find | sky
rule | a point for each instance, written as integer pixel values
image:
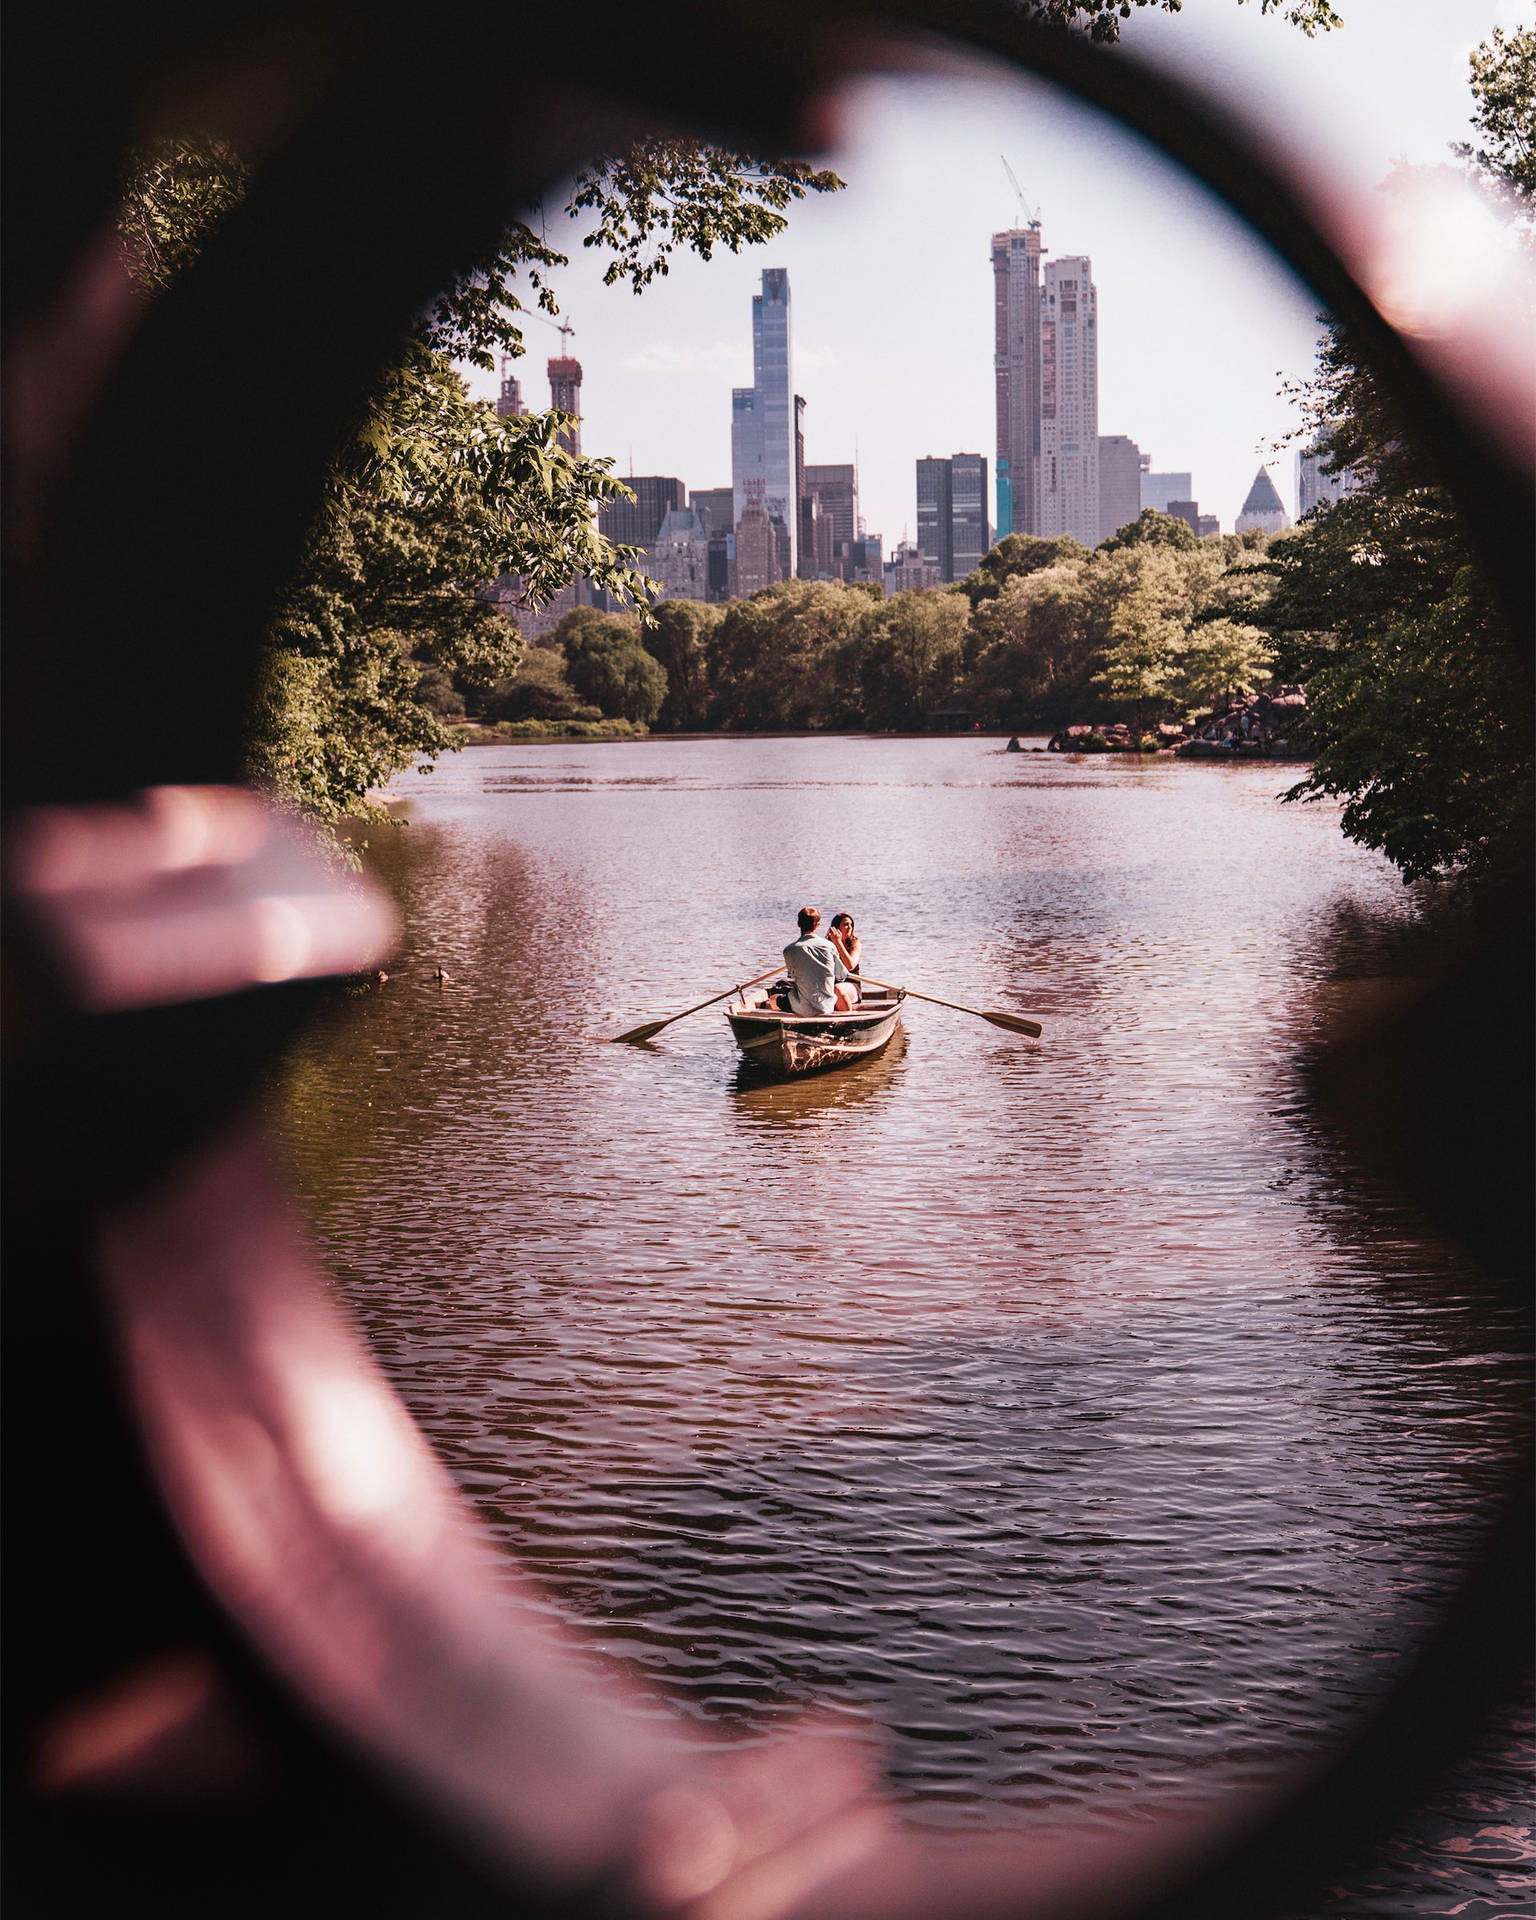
(890, 279)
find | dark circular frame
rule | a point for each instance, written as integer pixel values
(174, 468)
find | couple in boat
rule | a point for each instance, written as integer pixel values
(824, 968)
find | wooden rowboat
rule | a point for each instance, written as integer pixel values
(795, 1043)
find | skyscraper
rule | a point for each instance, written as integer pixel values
(1119, 483)
(837, 488)
(969, 524)
(952, 512)
(1069, 401)
(1016, 360)
(934, 513)
(565, 393)
(1315, 486)
(763, 420)
(634, 522)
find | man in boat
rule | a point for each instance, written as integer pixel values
(822, 983)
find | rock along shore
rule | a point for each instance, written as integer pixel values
(1242, 726)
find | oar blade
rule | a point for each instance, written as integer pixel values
(1015, 1023)
(636, 1035)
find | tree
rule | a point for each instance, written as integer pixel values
(1015, 556)
(1032, 646)
(1219, 656)
(539, 690)
(1420, 706)
(606, 664)
(913, 657)
(790, 657)
(1141, 663)
(1151, 529)
(1504, 114)
(681, 635)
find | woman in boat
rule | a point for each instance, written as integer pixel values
(849, 946)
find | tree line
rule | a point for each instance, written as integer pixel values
(1150, 625)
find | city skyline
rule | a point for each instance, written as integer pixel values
(894, 341)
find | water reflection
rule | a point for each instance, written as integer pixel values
(764, 1103)
(1045, 1400)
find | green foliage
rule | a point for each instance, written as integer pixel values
(1147, 630)
(608, 667)
(790, 656)
(666, 192)
(1421, 708)
(1504, 112)
(1146, 625)
(174, 195)
(1151, 529)
(913, 655)
(1141, 661)
(538, 690)
(681, 635)
(504, 732)
(1219, 656)
(1014, 556)
(1423, 722)
(1033, 645)
(1100, 19)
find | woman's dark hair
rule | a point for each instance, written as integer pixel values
(841, 919)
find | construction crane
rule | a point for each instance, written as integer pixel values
(562, 327)
(1030, 213)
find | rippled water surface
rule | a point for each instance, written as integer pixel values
(1060, 1404)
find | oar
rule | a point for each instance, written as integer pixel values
(653, 1027)
(1014, 1022)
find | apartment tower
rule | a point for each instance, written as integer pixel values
(1069, 401)
(1016, 327)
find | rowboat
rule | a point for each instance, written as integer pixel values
(794, 1043)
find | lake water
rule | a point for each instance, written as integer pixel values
(1060, 1405)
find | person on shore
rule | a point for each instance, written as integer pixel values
(849, 946)
(821, 982)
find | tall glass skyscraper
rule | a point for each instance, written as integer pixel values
(952, 512)
(763, 417)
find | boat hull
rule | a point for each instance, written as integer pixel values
(788, 1045)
